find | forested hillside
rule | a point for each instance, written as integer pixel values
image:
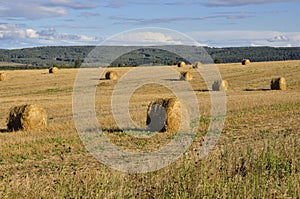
(256, 54)
(72, 56)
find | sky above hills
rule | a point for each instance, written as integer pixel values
(215, 23)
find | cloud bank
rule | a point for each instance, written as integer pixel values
(237, 38)
(15, 36)
(149, 37)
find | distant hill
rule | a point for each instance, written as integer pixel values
(255, 54)
(67, 56)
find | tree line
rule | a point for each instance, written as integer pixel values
(73, 56)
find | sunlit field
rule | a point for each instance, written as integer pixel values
(257, 154)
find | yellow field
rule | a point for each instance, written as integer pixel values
(257, 154)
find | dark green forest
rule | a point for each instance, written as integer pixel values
(73, 56)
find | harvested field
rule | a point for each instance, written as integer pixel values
(257, 154)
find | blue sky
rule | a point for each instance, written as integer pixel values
(216, 23)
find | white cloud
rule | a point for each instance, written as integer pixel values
(142, 38)
(279, 38)
(32, 34)
(12, 35)
(247, 38)
(10, 31)
(52, 37)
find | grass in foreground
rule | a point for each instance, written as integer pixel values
(268, 169)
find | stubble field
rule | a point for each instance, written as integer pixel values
(257, 154)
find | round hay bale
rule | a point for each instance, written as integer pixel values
(197, 65)
(278, 83)
(220, 85)
(27, 117)
(245, 61)
(53, 69)
(3, 76)
(111, 75)
(181, 64)
(164, 115)
(187, 76)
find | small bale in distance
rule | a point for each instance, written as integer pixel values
(181, 64)
(278, 83)
(3, 76)
(197, 65)
(220, 85)
(27, 117)
(245, 62)
(164, 115)
(187, 76)
(53, 69)
(111, 75)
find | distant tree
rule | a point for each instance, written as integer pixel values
(217, 61)
(157, 61)
(172, 62)
(77, 63)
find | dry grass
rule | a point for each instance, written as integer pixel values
(257, 154)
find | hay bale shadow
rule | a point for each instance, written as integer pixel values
(118, 130)
(104, 80)
(173, 80)
(113, 130)
(133, 132)
(203, 90)
(257, 89)
(4, 131)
